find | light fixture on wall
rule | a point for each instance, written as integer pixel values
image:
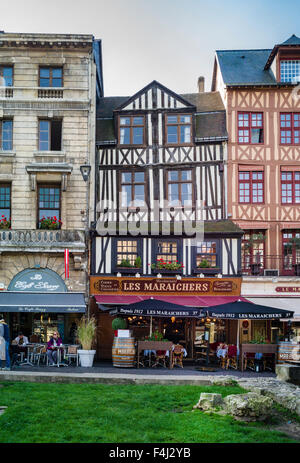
(85, 170)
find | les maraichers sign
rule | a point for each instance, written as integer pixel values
(102, 285)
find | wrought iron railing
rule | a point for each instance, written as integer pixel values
(262, 265)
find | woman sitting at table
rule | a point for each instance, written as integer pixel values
(55, 341)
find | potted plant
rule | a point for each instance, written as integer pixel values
(86, 333)
(166, 267)
(118, 324)
(206, 268)
(50, 223)
(125, 266)
(4, 223)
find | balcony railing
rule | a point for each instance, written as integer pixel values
(13, 240)
(50, 93)
(260, 265)
(6, 92)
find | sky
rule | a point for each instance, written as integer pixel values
(171, 41)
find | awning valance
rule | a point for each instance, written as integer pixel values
(286, 303)
(15, 301)
(242, 310)
(157, 308)
(188, 301)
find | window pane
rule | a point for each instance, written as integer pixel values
(7, 127)
(172, 136)
(138, 121)
(139, 194)
(256, 136)
(125, 136)
(172, 119)
(126, 195)
(124, 121)
(56, 72)
(173, 175)
(126, 177)
(186, 175)
(137, 135)
(174, 193)
(185, 134)
(139, 177)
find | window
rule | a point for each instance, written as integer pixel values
(6, 135)
(251, 187)
(50, 135)
(167, 251)
(290, 187)
(128, 253)
(5, 202)
(180, 187)
(290, 250)
(6, 76)
(290, 70)
(206, 254)
(51, 77)
(250, 128)
(132, 189)
(48, 202)
(178, 129)
(132, 130)
(289, 128)
(253, 251)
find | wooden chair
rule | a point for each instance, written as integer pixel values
(177, 355)
(72, 353)
(160, 359)
(249, 361)
(231, 360)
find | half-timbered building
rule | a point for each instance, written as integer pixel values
(259, 89)
(161, 210)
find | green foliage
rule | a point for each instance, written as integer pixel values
(106, 413)
(127, 264)
(204, 264)
(4, 223)
(86, 332)
(161, 264)
(138, 262)
(155, 336)
(119, 324)
(50, 223)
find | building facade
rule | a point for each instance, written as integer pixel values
(48, 89)
(259, 89)
(161, 160)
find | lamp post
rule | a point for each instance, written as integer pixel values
(85, 172)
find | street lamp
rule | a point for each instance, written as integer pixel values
(85, 170)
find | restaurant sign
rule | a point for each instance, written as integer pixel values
(37, 280)
(287, 289)
(166, 286)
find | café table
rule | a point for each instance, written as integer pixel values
(59, 363)
(29, 348)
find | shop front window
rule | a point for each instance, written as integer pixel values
(290, 251)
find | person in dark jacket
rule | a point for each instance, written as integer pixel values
(6, 338)
(55, 341)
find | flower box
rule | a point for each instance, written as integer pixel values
(207, 270)
(132, 270)
(166, 271)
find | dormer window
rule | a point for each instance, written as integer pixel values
(290, 70)
(132, 130)
(178, 129)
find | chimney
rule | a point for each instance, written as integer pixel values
(201, 84)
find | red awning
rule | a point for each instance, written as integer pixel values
(188, 301)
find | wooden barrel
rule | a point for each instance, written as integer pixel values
(288, 352)
(123, 352)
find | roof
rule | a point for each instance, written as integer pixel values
(211, 125)
(210, 116)
(245, 67)
(293, 41)
(206, 101)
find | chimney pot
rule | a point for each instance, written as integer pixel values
(201, 82)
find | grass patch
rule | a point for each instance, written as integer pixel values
(57, 413)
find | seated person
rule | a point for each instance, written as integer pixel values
(21, 340)
(18, 346)
(55, 340)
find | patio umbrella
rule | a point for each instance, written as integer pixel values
(241, 310)
(157, 308)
